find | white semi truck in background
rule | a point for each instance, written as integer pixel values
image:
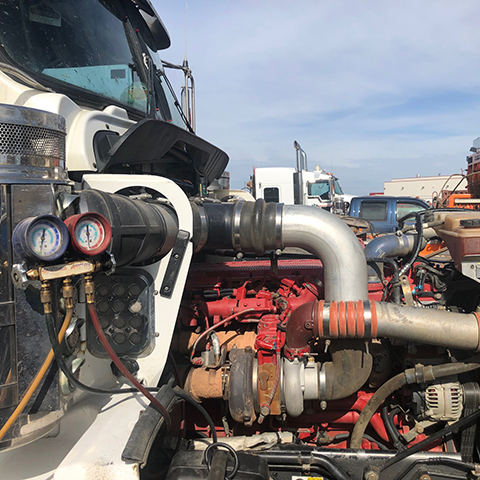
(300, 186)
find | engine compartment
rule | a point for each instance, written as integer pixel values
(272, 360)
(268, 339)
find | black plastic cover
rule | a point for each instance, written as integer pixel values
(162, 148)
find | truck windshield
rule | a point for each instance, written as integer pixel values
(79, 43)
(337, 187)
(320, 189)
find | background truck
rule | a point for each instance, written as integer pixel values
(384, 211)
(300, 186)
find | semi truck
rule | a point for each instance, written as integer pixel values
(300, 186)
(148, 331)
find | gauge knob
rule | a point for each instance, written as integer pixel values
(91, 232)
(43, 238)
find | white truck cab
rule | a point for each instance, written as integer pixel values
(300, 186)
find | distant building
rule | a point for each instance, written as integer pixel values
(426, 188)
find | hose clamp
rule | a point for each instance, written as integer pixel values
(367, 315)
(278, 226)
(237, 215)
(203, 228)
(322, 383)
(419, 373)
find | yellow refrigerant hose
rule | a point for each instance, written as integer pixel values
(38, 378)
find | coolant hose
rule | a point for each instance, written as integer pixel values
(419, 374)
(388, 246)
(418, 244)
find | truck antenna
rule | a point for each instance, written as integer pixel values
(186, 28)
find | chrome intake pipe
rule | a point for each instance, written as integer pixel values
(331, 240)
(259, 226)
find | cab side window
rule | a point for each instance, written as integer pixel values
(403, 208)
(373, 211)
(271, 194)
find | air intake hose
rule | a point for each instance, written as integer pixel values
(141, 232)
(259, 226)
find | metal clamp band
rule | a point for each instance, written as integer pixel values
(326, 320)
(203, 228)
(322, 384)
(278, 226)
(367, 315)
(237, 215)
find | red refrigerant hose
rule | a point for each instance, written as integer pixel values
(123, 369)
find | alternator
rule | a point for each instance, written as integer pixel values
(444, 401)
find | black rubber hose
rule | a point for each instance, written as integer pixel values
(393, 433)
(344, 436)
(185, 396)
(453, 428)
(389, 426)
(68, 373)
(395, 281)
(447, 462)
(217, 226)
(398, 381)
(218, 466)
(370, 408)
(418, 245)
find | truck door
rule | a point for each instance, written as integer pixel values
(320, 194)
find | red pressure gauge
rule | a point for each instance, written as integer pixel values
(90, 232)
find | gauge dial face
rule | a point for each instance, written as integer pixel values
(91, 232)
(45, 239)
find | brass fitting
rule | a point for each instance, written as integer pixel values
(46, 297)
(33, 274)
(67, 292)
(89, 289)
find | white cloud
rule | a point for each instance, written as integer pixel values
(346, 78)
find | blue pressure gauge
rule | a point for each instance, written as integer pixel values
(42, 238)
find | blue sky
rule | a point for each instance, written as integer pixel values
(371, 89)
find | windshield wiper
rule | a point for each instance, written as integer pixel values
(143, 65)
(23, 77)
(169, 85)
